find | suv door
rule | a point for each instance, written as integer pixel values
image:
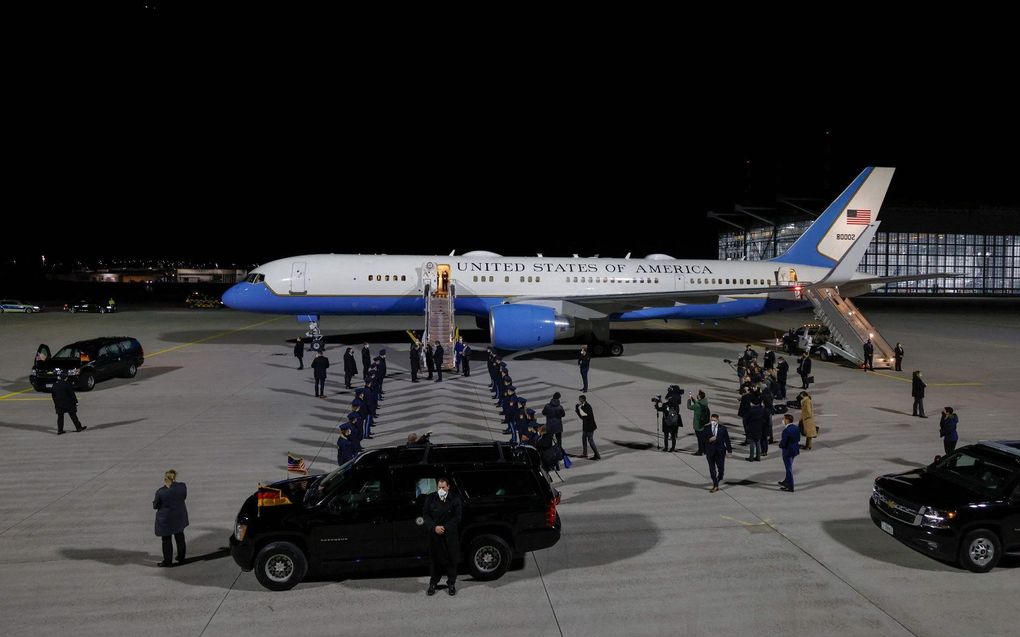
(1011, 522)
(356, 520)
(108, 362)
(411, 486)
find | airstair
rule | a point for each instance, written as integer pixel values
(440, 323)
(848, 328)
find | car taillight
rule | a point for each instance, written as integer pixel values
(550, 515)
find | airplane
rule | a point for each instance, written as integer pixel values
(530, 302)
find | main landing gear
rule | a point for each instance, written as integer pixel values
(612, 348)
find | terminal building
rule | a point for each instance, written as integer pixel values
(980, 246)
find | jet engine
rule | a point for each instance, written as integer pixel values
(516, 327)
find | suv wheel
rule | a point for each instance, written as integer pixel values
(823, 354)
(980, 551)
(131, 371)
(488, 557)
(280, 566)
(87, 382)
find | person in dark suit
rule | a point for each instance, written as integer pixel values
(583, 363)
(947, 429)
(319, 365)
(350, 367)
(299, 352)
(366, 359)
(465, 360)
(782, 369)
(415, 361)
(588, 427)
(917, 391)
(869, 355)
(769, 360)
(65, 401)
(438, 357)
(789, 442)
(804, 369)
(430, 360)
(171, 516)
(717, 445)
(899, 357)
(442, 515)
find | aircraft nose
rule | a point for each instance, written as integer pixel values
(232, 297)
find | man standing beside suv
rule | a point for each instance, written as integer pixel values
(65, 402)
(442, 517)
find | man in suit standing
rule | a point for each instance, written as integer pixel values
(782, 369)
(430, 360)
(899, 357)
(869, 356)
(442, 515)
(171, 516)
(319, 365)
(65, 401)
(769, 360)
(438, 357)
(790, 444)
(584, 362)
(588, 427)
(917, 391)
(350, 367)
(717, 445)
(804, 369)
(299, 352)
(947, 430)
(366, 359)
(415, 362)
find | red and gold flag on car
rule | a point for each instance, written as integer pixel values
(270, 497)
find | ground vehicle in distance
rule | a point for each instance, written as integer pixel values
(87, 362)
(367, 514)
(197, 300)
(90, 306)
(10, 305)
(963, 508)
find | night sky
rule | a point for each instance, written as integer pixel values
(218, 155)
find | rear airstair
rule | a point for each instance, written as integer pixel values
(848, 328)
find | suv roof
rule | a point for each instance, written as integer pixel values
(502, 453)
(1012, 447)
(99, 342)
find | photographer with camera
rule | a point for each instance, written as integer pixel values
(671, 421)
(699, 405)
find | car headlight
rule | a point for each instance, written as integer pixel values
(73, 372)
(935, 519)
(240, 530)
(32, 373)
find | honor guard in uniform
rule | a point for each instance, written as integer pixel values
(465, 361)
(458, 353)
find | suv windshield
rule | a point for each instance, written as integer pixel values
(68, 353)
(328, 482)
(976, 472)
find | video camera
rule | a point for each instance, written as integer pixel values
(672, 392)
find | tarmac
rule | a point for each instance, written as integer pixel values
(645, 550)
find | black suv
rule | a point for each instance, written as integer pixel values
(367, 514)
(87, 362)
(962, 508)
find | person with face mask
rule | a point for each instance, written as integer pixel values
(442, 517)
(717, 445)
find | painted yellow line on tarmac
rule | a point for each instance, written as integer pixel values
(14, 393)
(209, 338)
(162, 351)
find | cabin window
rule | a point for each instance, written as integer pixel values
(522, 279)
(369, 277)
(538, 279)
(727, 281)
(575, 279)
(387, 277)
(491, 279)
(568, 279)
(475, 279)
(768, 281)
(656, 279)
(506, 279)
(378, 277)
(530, 280)
(403, 277)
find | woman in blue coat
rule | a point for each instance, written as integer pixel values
(171, 516)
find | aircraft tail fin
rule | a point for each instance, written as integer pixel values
(831, 236)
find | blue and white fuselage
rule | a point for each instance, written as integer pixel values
(530, 301)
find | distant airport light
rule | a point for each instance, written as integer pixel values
(871, 336)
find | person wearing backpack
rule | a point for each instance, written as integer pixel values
(671, 422)
(554, 414)
(702, 415)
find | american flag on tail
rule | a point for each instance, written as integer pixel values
(858, 217)
(296, 464)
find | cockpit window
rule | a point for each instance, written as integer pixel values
(255, 277)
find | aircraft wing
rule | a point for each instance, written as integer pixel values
(862, 286)
(610, 303)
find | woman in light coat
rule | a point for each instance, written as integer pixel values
(807, 419)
